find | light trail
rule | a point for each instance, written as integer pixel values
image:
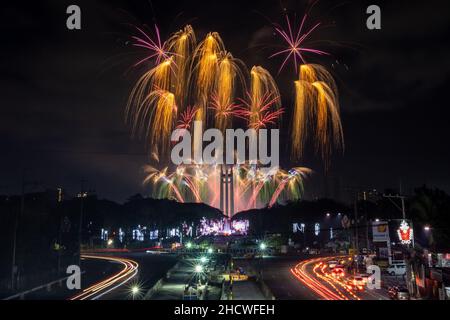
(96, 291)
(330, 280)
(322, 267)
(313, 273)
(301, 273)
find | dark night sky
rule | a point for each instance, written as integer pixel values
(63, 92)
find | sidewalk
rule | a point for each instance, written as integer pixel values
(172, 287)
(247, 290)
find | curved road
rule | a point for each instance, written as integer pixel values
(315, 275)
(96, 291)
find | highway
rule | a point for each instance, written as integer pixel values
(111, 277)
(315, 275)
(127, 273)
(306, 278)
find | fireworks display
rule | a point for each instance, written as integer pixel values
(295, 43)
(156, 48)
(316, 108)
(253, 187)
(202, 81)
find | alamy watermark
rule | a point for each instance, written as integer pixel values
(374, 279)
(229, 149)
(74, 279)
(73, 21)
(373, 22)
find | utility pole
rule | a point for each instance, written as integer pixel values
(80, 225)
(366, 221)
(354, 193)
(409, 281)
(14, 267)
(59, 211)
(402, 199)
(402, 209)
(16, 227)
(356, 231)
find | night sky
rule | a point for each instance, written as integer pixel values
(63, 93)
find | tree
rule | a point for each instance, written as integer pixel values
(432, 207)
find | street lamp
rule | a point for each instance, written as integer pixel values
(198, 268)
(203, 259)
(377, 220)
(263, 247)
(199, 274)
(328, 215)
(189, 245)
(135, 290)
(427, 228)
(210, 250)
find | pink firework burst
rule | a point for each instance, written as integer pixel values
(223, 110)
(258, 111)
(156, 47)
(295, 42)
(186, 118)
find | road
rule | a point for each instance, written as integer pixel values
(276, 274)
(109, 276)
(304, 278)
(315, 275)
(128, 271)
(141, 270)
(93, 271)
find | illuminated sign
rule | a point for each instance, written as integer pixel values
(317, 229)
(380, 231)
(298, 227)
(405, 233)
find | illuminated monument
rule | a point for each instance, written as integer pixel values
(227, 190)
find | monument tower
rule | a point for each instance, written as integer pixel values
(227, 190)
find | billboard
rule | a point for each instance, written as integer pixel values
(380, 231)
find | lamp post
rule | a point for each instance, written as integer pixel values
(429, 235)
(262, 248)
(135, 290)
(82, 195)
(198, 269)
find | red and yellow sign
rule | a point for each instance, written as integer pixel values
(405, 233)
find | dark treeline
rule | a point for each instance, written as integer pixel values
(48, 230)
(279, 218)
(426, 207)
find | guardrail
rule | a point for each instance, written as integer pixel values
(267, 293)
(21, 295)
(153, 289)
